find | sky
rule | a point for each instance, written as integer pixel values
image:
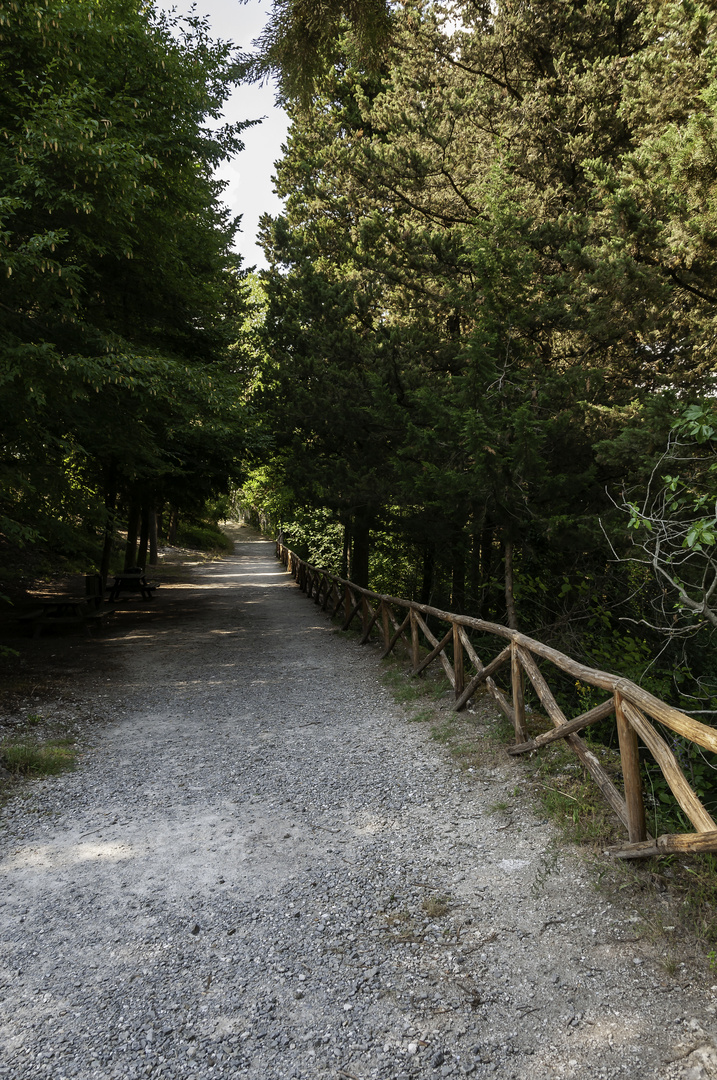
(250, 188)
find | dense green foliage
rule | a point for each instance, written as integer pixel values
(120, 292)
(302, 36)
(491, 296)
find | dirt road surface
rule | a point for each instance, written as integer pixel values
(260, 869)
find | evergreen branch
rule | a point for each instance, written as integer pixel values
(692, 289)
(482, 73)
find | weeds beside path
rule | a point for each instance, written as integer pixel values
(260, 869)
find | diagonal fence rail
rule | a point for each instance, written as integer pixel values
(395, 620)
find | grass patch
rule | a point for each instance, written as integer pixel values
(436, 906)
(500, 731)
(567, 793)
(471, 738)
(669, 891)
(473, 741)
(425, 693)
(700, 901)
(423, 716)
(676, 899)
(438, 687)
(404, 689)
(443, 731)
(28, 758)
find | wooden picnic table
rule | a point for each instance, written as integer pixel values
(132, 581)
(65, 611)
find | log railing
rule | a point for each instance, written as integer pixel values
(395, 620)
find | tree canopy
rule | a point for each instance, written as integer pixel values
(302, 37)
(121, 293)
(491, 296)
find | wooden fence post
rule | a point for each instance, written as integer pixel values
(458, 660)
(516, 678)
(415, 650)
(386, 625)
(629, 756)
(365, 616)
(348, 603)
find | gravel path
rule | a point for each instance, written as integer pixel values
(260, 869)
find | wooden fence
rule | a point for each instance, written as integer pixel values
(394, 620)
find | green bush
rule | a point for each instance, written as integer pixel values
(206, 536)
(317, 536)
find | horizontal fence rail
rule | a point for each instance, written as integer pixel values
(394, 619)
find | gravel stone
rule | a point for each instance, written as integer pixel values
(232, 883)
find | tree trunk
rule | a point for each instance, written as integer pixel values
(509, 597)
(153, 535)
(486, 570)
(130, 551)
(359, 555)
(458, 582)
(109, 534)
(173, 525)
(429, 565)
(143, 538)
(475, 583)
(346, 553)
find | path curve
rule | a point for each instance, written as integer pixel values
(246, 875)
